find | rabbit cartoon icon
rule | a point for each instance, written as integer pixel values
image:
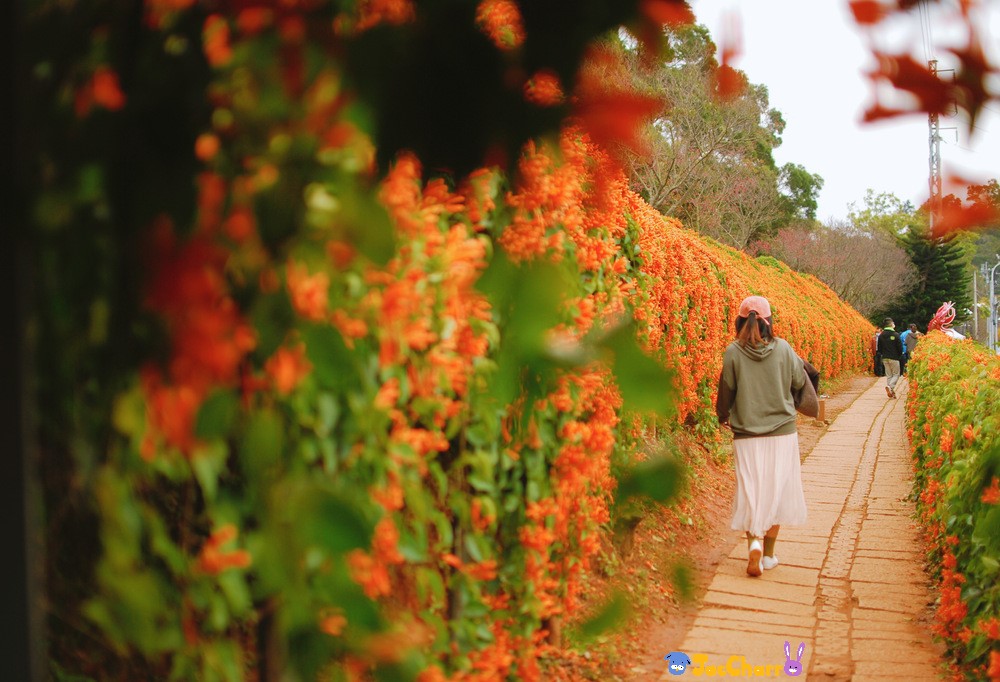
(794, 668)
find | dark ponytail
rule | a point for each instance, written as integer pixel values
(752, 331)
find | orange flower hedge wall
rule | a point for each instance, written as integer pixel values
(369, 426)
(953, 427)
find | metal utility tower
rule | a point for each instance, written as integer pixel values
(934, 139)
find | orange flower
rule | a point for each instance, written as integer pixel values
(287, 368)
(374, 12)
(215, 40)
(370, 575)
(432, 674)
(159, 11)
(544, 89)
(480, 521)
(385, 542)
(349, 327)
(990, 628)
(332, 621)
(102, 89)
(171, 411)
(340, 253)
(391, 497)
(292, 29)
(206, 146)
(309, 293)
(105, 88)
(483, 570)
(994, 671)
(946, 442)
(253, 20)
(211, 196)
(991, 495)
(213, 559)
(969, 433)
(388, 394)
(501, 21)
(371, 571)
(240, 225)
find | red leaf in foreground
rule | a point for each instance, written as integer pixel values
(610, 112)
(877, 112)
(867, 12)
(971, 78)
(903, 72)
(730, 83)
(958, 216)
(670, 12)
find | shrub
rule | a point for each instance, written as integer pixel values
(953, 431)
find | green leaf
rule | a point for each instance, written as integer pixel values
(528, 300)
(613, 613)
(90, 187)
(208, 463)
(234, 587)
(327, 413)
(328, 519)
(333, 363)
(683, 580)
(988, 529)
(272, 316)
(644, 384)
(263, 442)
(658, 479)
(473, 546)
(368, 225)
(129, 413)
(216, 416)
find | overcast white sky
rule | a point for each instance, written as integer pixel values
(812, 57)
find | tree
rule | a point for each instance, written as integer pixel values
(861, 268)
(883, 212)
(800, 191)
(942, 274)
(984, 198)
(711, 162)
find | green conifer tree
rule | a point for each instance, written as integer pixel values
(942, 275)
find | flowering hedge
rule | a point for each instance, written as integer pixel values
(340, 422)
(953, 431)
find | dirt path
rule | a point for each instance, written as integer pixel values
(850, 585)
(705, 547)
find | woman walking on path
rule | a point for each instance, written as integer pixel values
(760, 374)
(891, 350)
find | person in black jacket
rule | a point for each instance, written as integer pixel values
(890, 347)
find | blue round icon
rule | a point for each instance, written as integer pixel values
(678, 662)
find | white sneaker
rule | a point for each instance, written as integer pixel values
(754, 567)
(769, 562)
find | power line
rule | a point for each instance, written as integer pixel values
(955, 144)
(926, 33)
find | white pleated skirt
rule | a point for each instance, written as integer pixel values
(768, 484)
